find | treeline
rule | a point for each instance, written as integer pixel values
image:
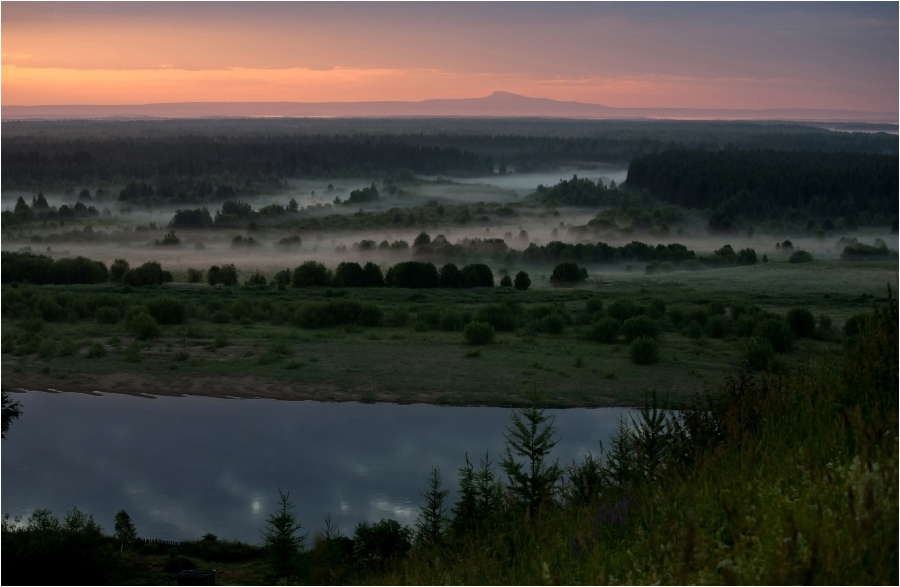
(194, 167)
(235, 152)
(761, 185)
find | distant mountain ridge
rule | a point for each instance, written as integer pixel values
(498, 104)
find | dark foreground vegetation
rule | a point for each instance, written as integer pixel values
(771, 479)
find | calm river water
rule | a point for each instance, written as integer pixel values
(184, 466)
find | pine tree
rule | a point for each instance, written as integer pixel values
(431, 523)
(283, 540)
(530, 436)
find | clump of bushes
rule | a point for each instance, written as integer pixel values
(645, 351)
(226, 275)
(605, 330)
(478, 333)
(498, 316)
(802, 323)
(142, 325)
(776, 332)
(167, 310)
(522, 282)
(640, 326)
(568, 273)
(800, 257)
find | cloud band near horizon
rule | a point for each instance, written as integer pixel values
(678, 56)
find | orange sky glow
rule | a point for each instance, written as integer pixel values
(623, 55)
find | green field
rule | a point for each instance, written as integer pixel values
(257, 352)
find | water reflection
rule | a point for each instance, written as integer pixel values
(185, 466)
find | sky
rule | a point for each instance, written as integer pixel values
(637, 55)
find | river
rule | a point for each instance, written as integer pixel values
(184, 466)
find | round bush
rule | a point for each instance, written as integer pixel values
(522, 281)
(605, 330)
(800, 257)
(640, 326)
(506, 281)
(622, 309)
(776, 332)
(758, 352)
(96, 351)
(645, 351)
(568, 273)
(143, 326)
(801, 322)
(478, 333)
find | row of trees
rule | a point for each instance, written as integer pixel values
(760, 185)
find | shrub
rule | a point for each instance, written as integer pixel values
(167, 310)
(645, 351)
(800, 257)
(228, 275)
(622, 309)
(118, 269)
(349, 274)
(691, 265)
(497, 315)
(96, 351)
(605, 330)
(257, 279)
(413, 274)
(283, 278)
(477, 275)
(551, 324)
(133, 352)
(372, 276)
(522, 282)
(776, 332)
(506, 281)
(856, 324)
(478, 333)
(758, 352)
(568, 273)
(640, 326)
(143, 326)
(802, 322)
(221, 317)
(451, 276)
(150, 273)
(194, 275)
(311, 274)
